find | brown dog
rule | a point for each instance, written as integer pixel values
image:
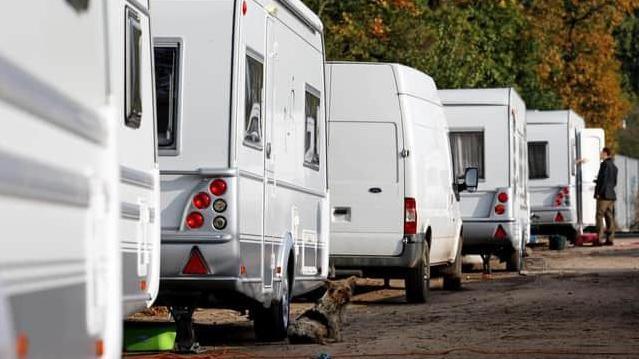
(324, 320)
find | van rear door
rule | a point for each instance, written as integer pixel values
(591, 142)
(367, 188)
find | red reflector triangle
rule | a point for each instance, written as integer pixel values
(559, 217)
(196, 264)
(500, 233)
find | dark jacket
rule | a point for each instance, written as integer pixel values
(606, 180)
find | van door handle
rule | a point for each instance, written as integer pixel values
(268, 150)
(375, 190)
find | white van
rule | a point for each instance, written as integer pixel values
(60, 282)
(563, 158)
(243, 157)
(393, 196)
(488, 131)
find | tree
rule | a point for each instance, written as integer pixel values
(378, 30)
(578, 57)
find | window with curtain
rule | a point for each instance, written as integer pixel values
(537, 160)
(467, 148)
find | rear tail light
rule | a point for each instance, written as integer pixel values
(562, 198)
(219, 205)
(502, 197)
(500, 209)
(218, 187)
(219, 222)
(410, 216)
(201, 200)
(194, 220)
(196, 264)
(559, 217)
(500, 233)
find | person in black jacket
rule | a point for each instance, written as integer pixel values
(606, 197)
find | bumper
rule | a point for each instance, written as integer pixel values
(546, 216)
(382, 266)
(222, 287)
(479, 237)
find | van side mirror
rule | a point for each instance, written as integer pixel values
(470, 180)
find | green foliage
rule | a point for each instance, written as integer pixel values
(557, 53)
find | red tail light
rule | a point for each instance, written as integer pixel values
(500, 233)
(502, 197)
(410, 216)
(566, 190)
(500, 209)
(194, 220)
(559, 217)
(201, 200)
(196, 264)
(218, 187)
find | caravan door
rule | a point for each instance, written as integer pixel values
(591, 142)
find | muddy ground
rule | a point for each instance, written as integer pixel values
(576, 303)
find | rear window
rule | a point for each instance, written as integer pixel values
(537, 160)
(467, 149)
(167, 65)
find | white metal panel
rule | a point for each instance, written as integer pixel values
(356, 171)
(494, 97)
(429, 174)
(591, 143)
(206, 78)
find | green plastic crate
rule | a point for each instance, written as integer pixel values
(148, 337)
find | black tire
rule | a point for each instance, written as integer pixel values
(453, 274)
(513, 263)
(270, 324)
(418, 278)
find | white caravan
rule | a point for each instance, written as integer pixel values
(563, 158)
(488, 131)
(395, 211)
(243, 157)
(627, 190)
(132, 86)
(60, 294)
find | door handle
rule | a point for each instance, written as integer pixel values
(268, 150)
(375, 190)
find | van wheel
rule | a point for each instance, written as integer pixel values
(418, 278)
(453, 274)
(513, 263)
(270, 324)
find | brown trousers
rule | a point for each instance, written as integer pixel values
(605, 210)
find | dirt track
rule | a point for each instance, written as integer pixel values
(576, 303)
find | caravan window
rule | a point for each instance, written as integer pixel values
(537, 160)
(467, 148)
(253, 102)
(167, 65)
(311, 133)
(133, 85)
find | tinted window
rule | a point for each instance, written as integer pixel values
(133, 90)
(253, 102)
(468, 151)
(311, 133)
(167, 65)
(537, 160)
